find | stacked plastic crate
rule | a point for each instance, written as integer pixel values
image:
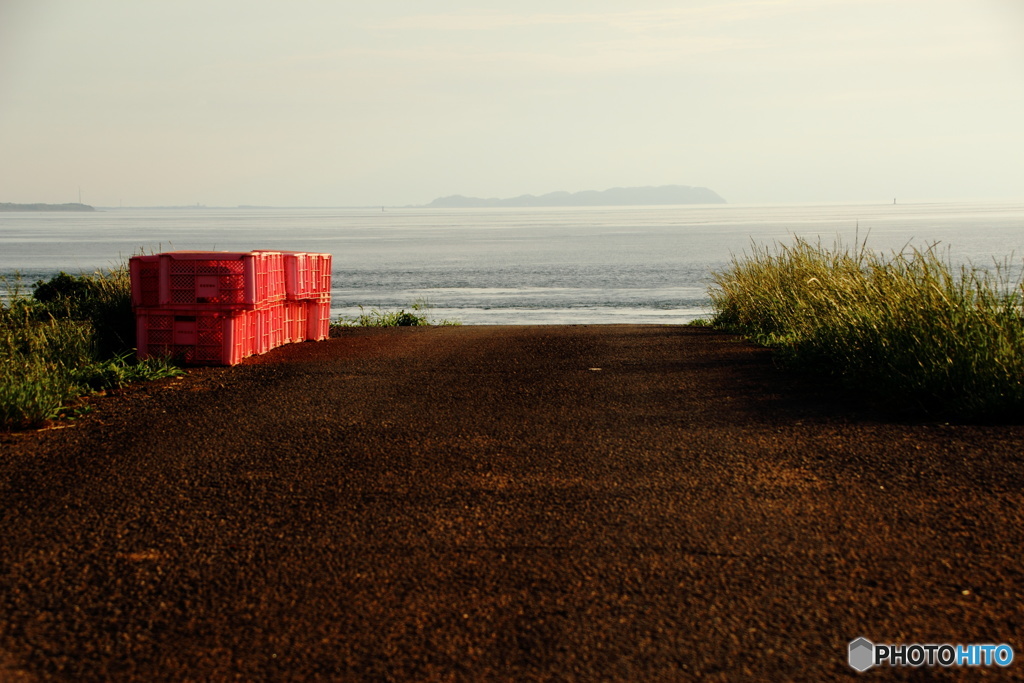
(216, 308)
(307, 282)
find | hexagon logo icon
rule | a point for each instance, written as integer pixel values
(862, 654)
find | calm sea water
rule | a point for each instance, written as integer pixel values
(510, 266)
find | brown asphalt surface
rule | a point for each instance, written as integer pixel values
(584, 503)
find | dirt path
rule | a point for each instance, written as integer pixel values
(491, 503)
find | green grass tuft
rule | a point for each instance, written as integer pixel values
(418, 316)
(908, 329)
(73, 336)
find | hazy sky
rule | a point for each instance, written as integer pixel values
(339, 102)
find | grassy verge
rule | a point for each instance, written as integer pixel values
(909, 329)
(417, 316)
(72, 336)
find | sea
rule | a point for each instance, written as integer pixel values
(586, 265)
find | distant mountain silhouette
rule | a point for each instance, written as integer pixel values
(617, 196)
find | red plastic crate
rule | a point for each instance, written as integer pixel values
(187, 279)
(295, 321)
(318, 275)
(216, 308)
(307, 275)
(145, 277)
(318, 319)
(198, 337)
(307, 320)
(271, 332)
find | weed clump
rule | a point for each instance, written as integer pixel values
(418, 316)
(72, 336)
(909, 329)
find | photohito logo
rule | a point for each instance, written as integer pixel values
(864, 654)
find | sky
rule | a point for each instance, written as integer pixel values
(397, 102)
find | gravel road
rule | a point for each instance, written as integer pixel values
(585, 503)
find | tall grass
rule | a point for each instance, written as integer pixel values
(103, 298)
(73, 335)
(909, 328)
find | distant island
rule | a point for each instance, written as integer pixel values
(617, 196)
(7, 206)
